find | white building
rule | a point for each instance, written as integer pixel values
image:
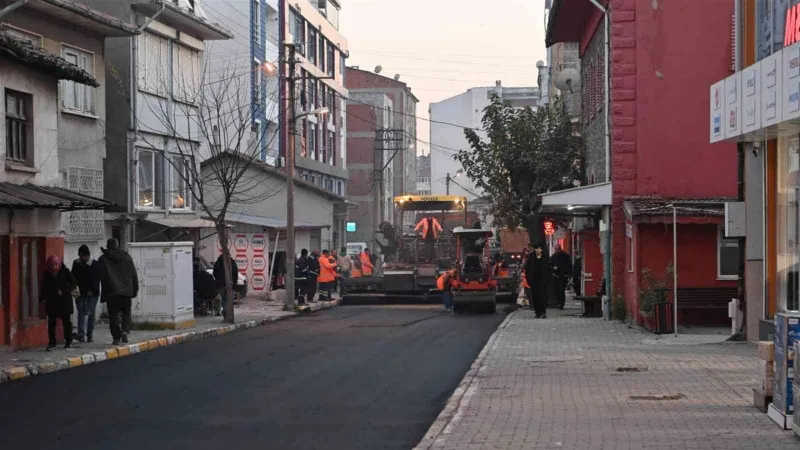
(449, 117)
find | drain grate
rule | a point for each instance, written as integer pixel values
(631, 369)
(663, 397)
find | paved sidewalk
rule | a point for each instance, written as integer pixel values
(249, 313)
(569, 382)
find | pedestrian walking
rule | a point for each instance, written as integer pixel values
(85, 270)
(219, 276)
(445, 285)
(58, 287)
(120, 284)
(207, 298)
(301, 277)
(313, 275)
(561, 268)
(537, 274)
(327, 275)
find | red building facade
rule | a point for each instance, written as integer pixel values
(662, 58)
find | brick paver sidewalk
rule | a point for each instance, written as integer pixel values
(569, 382)
(249, 312)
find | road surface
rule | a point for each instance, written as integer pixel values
(356, 377)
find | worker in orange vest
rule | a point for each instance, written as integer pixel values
(327, 275)
(445, 285)
(526, 288)
(366, 263)
(500, 266)
(430, 232)
(355, 272)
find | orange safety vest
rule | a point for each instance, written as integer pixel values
(437, 228)
(355, 272)
(524, 280)
(366, 265)
(327, 271)
(442, 281)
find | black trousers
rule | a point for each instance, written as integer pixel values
(539, 300)
(66, 323)
(311, 289)
(300, 290)
(119, 315)
(560, 287)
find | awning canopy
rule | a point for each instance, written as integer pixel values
(643, 209)
(183, 15)
(578, 201)
(30, 196)
(182, 223)
(271, 222)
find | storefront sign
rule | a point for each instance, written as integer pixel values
(717, 111)
(732, 106)
(259, 282)
(259, 263)
(751, 99)
(258, 243)
(240, 243)
(791, 82)
(242, 263)
(771, 90)
(549, 228)
(791, 32)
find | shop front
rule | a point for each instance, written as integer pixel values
(759, 108)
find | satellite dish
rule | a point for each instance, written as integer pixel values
(378, 68)
(568, 80)
(396, 77)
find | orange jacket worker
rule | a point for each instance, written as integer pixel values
(445, 284)
(430, 228)
(366, 263)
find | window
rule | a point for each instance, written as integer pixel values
(185, 73)
(19, 128)
(338, 188)
(257, 20)
(297, 28)
(257, 80)
(312, 141)
(631, 254)
(423, 180)
(152, 52)
(30, 256)
(75, 96)
(321, 62)
(323, 144)
(728, 256)
(180, 192)
(150, 169)
(332, 148)
(311, 51)
(341, 63)
(323, 94)
(34, 39)
(331, 60)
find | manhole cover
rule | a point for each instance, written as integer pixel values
(549, 359)
(677, 396)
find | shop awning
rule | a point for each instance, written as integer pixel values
(577, 201)
(182, 223)
(30, 196)
(271, 222)
(649, 209)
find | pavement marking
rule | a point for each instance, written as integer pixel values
(22, 372)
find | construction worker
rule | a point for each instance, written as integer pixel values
(356, 267)
(366, 263)
(445, 285)
(500, 266)
(327, 275)
(430, 232)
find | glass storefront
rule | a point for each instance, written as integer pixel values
(788, 234)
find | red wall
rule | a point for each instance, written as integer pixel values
(663, 60)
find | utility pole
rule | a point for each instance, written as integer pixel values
(447, 183)
(291, 255)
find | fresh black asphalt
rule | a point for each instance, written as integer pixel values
(354, 377)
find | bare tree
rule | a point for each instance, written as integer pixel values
(208, 117)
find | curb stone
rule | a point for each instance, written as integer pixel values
(27, 371)
(453, 405)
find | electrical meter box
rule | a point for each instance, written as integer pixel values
(166, 293)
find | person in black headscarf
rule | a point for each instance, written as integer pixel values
(537, 274)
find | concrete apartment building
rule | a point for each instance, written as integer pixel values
(381, 136)
(424, 174)
(53, 82)
(460, 111)
(655, 154)
(563, 61)
(251, 54)
(156, 76)
(404, 111)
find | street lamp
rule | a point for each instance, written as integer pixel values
(290, 250)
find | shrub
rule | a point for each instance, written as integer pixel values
(651, 288)
(618, 309)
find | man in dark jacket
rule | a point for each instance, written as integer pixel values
(85, 270)
(537, 274)
(205, 289)
(219, 276)
(120, 283)
(313, 275)
(301, 277)
(57, 286)
(561, 266)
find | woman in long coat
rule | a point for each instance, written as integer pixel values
(57, 286)
(537, 273)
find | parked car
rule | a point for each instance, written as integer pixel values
(241, 282)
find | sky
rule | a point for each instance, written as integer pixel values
(441, 48)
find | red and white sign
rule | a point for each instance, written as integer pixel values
(240, 243)
(258, 243)
(258, 263)
(549, 228)
(242, 262)
(258, 282)
(792, 31)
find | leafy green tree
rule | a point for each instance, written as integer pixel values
(524, 153)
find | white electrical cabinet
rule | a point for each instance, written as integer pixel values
(166, 296)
